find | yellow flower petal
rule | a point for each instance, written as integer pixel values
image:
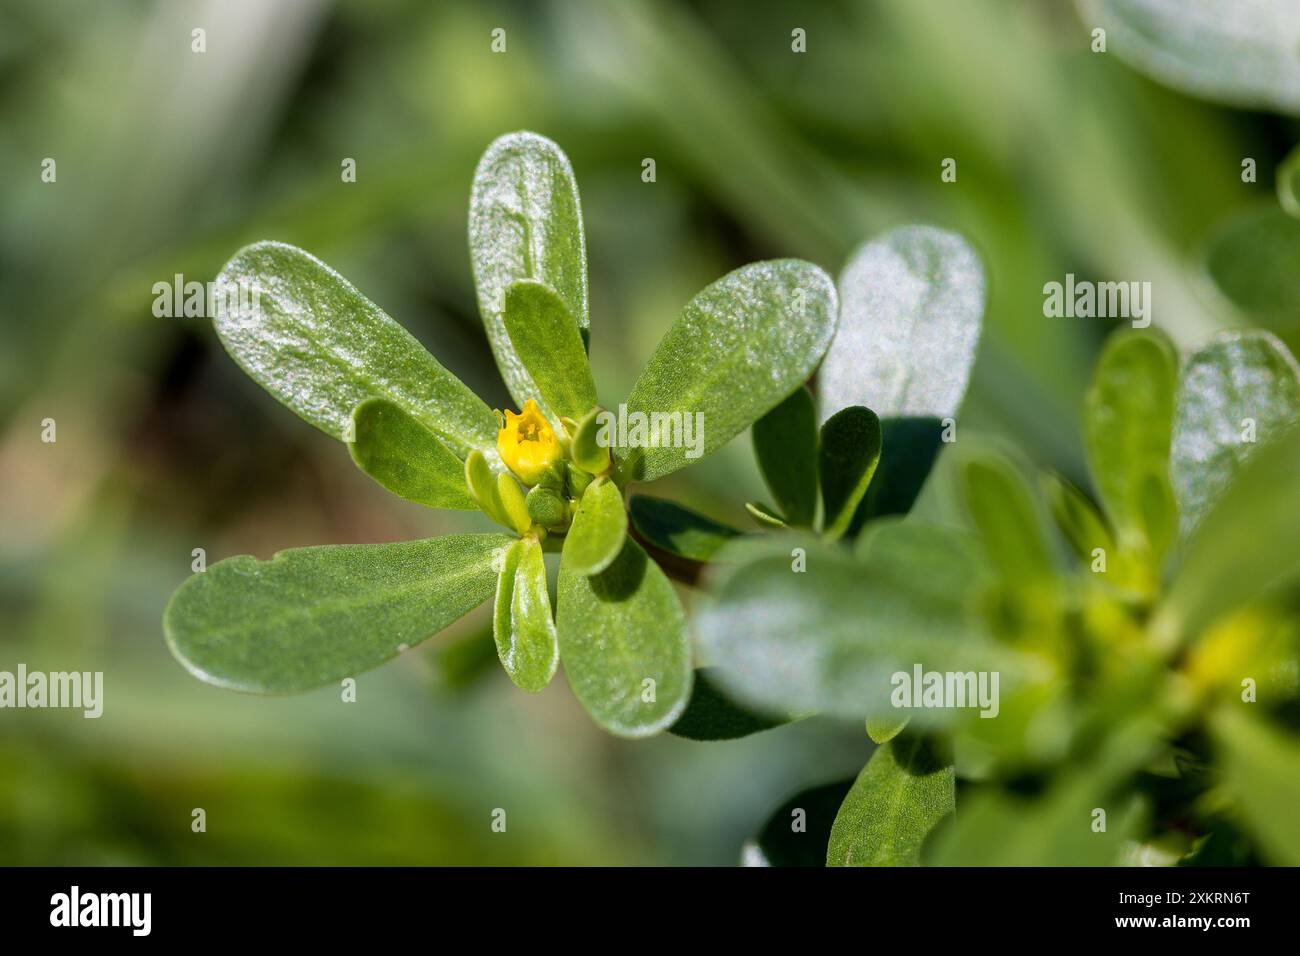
(527, 444)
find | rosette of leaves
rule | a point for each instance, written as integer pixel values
(1146, 643)
(314, 616)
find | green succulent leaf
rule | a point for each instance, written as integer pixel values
(764, 515)
(522, 626)
(911, 545)
(1003, 509)
(1076, 516)
(313, 616)
(576, 479)
(1128, 424)
(598, 531)
(1252, 260)
(589, 452)
(1262, 770)
(911, 307)
(1243, 547)
(676, 529)
(321, 348)
(397, 451)
(525, 222)
(624, 643)
(482, 484)
(849, 453)
(513, 503)
(882, 730)
(1208, 49)
(903, 792)
(781, 843)
(830, 637)
(712, 715)
(785, 444)
(1239, 389)
(545, 338)
(739, 348)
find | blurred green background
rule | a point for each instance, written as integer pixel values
(168, 161)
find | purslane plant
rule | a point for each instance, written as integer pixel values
(1146, 649)
(553, 474)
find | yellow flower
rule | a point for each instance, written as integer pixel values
(528, 445)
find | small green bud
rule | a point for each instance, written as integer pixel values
(545, 506)
(554, 477)
(578, 480)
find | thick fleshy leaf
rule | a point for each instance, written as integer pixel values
(513, 503)
(624, 644)
(785, 444)
(1006, 514)
(1238, 390)
(847, 458)
(712, 715)
(739, 348)
(525, 222)
(1242, 547)
(501, 629)
(401, 454)
(590, 444)
(1128, 424)
(911, 307)
(522, 625)
(1239, 52)
(483, 486)
(903, 792)
(1252, 261)
(545, 339)
(313, 616)
(1077, 517)
(912, 547)
(598, 530)
(797, 832)
(320, 347)
(830, 638)
(1261, 767)
(676, 529)
(882, 730)
(764, 515)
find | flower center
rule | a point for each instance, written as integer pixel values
(527, 444)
